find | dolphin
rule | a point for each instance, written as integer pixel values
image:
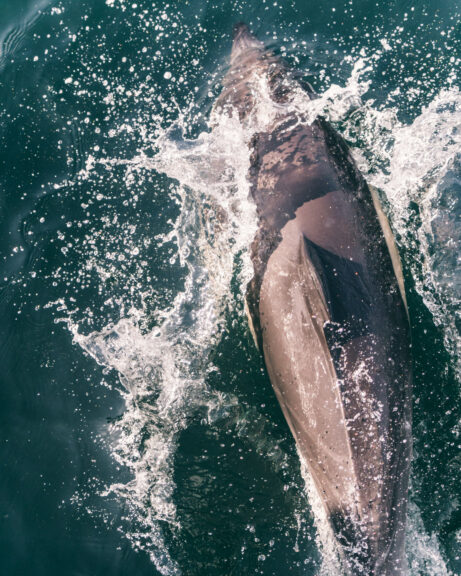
(327, 309)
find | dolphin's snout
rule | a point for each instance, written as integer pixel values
(244, 40)
(240, 28)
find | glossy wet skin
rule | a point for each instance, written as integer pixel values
(329, 317)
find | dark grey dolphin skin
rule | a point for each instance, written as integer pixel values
(328, 311)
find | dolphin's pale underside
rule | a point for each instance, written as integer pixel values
(328, 311)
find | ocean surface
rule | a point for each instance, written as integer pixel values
(139, 434)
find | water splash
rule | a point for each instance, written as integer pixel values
(163, 370)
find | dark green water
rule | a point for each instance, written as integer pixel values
(138, 431)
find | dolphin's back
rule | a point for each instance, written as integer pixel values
(333, 329)
(329, 316)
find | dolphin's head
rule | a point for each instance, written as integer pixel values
(245, 43)
(247, 57)
(249, 60)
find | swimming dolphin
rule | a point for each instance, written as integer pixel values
(327, 309)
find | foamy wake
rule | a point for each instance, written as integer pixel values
(164, 371)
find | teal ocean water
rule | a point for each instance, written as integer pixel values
(139, 433)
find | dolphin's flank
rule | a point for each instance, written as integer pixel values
(328, 312)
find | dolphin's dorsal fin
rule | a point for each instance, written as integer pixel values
(308, 265)
(391, 245)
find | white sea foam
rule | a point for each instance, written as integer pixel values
(423, 549)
